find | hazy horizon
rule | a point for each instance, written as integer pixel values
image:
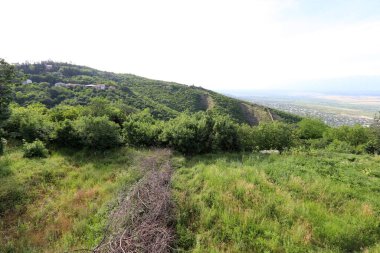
(218, 45)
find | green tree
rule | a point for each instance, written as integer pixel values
(276, 135)
(98, 132)
(224, 134)
(30, 123)
(355, 135)
(311, 128)
(7, 73)
(189, 134)
(141, 129)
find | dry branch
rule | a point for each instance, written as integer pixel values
(141, 222)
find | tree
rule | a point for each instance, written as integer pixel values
(7, 73)
(276, 135)
(311, 129)
(189, 133)
(141, 129)
(98, 132)
(225, 134)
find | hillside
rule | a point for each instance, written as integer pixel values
(87, 170)
(55, 83)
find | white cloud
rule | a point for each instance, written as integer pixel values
(216, 44)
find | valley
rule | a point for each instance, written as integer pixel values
(334, 110)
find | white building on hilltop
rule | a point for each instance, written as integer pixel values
(28, 81)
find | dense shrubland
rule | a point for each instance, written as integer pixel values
(101, 125)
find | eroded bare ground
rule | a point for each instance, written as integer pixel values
(142, 221)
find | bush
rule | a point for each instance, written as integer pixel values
(35, 149)
(189, 134)
(276, 135)
(311, 129)
(372, 147)
(247, 137)
(355, 135)
(97, 132)
(224, 134)
(66, 135)
(341, 147)
(141, 129)
(30, 123)
(3, 143)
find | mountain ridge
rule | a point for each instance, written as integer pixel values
(164, 99)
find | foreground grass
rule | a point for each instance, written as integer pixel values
(296, 202)
(60, 203)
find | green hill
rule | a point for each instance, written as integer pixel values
(55, 83)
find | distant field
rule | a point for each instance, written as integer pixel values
(334, 110)
(360, 100)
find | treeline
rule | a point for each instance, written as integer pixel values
(102, 125)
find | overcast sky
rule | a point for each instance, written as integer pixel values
(215, 44)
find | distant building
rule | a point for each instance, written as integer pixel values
(67, 85)
(28, 81)
(48, 67)
(96, 86)
(101, 86)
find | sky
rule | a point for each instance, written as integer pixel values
(216, 44)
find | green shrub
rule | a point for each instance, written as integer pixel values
(372, 147)
(224, 134)
(99, 107)
(355, 135)
(141, 129)
(66, 135)
(189, 134)
(247, 137)
(276, 135)
(341, 147)
(35, 149)
(30, 123)
(317, 143)
(97, 132)
(311, 128)
(3, 143)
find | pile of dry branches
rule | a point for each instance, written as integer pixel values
(141, 222)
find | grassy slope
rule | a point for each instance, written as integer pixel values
(301, 202)
(62, 201)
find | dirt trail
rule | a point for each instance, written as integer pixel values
(141, 222)
(249, 116)
(207, 101)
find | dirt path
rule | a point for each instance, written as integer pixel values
(207, 101)
(249, 116)
(141, 222)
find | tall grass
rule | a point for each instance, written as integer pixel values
(296, 202)
(62, 202)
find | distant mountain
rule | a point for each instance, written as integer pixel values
(55, 83)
